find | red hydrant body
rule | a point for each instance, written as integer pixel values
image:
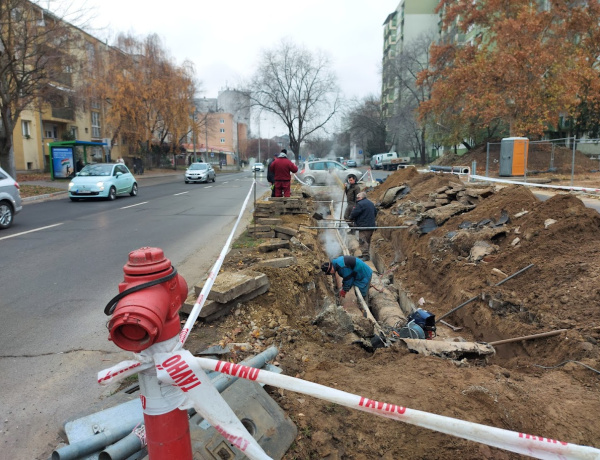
(148, 318)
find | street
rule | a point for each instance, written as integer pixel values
(62, 261)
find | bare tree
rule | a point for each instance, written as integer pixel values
(298, 87)
(366, 125)
(409, 133)
(35, 57)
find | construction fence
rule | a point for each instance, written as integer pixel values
(567, 156)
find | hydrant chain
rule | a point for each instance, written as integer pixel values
(112, 303)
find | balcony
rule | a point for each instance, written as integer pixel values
(66, 113)
(65, 79)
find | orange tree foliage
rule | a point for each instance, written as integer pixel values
(524, 65)
(150, 98)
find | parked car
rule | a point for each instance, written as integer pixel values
(10, 199)
(322, 172)
(200, 172)
(258, 167)
(102, 180)
(351, 163)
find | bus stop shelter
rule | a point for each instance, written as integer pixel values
(62, 157)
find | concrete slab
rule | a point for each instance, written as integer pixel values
(214, 310)
(274, 245)
(281, 262)
(269, 221)
(231, 285)
(211, 307)
(285, 230)
(258, 228)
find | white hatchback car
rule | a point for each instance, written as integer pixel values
(258, 167)
(322, 172)
(200, 172)
(10, 199)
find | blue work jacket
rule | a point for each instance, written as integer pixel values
(354, 272)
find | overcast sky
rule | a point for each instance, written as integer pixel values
(223, 38)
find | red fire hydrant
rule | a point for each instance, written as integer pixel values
(146, 318)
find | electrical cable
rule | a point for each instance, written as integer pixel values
(112, 303)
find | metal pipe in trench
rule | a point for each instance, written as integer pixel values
(354, 228)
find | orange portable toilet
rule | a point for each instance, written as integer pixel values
(513, 156)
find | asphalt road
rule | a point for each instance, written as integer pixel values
(61, 263)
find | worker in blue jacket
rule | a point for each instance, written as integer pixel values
(353, 271)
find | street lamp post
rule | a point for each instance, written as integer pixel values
(194, 135)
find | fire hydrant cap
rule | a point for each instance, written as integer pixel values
(145, 261)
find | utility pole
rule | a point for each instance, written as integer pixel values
(259, 138)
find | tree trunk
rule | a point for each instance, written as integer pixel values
(7, 153)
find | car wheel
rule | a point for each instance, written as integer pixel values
(6, 215)
(112, 193)
(72, 198)
(214, 178)
(134, 190)
(310, 181)
(187, 181)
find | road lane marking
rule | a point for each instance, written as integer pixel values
(182, 193)
(208, 186)
(225, 182)
(134, 205)
(29, 231)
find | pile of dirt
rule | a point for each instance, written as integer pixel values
(546, 387)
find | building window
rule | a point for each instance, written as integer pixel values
(222, 140)
(222, 120)
(96, 125)
(222, 130)
(50, 131)
(26, 128)
(74, 132)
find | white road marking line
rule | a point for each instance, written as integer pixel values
(134, 205)
(208, 186)
(182, 193)
(225, 182)
(30, 231)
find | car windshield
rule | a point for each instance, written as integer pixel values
(198, 166)
(96, 170)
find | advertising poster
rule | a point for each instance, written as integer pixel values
(62, 162)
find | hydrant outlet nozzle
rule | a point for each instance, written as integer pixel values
(148, 315)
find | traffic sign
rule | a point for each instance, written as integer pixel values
(360, 152)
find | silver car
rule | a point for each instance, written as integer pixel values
(324, 172)
(200, 172)
(10, 199)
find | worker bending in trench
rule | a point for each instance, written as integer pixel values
(353, 271)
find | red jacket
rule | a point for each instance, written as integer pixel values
(281, 168)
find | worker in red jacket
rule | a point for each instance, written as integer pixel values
(281, 169)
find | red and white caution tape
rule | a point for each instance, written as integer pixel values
(181, 369)
(534, 446)
(193, 316)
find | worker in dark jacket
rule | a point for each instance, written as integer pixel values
(270, 174)
(352, 189)
(353, 271)
(363, 215)
(282, 168)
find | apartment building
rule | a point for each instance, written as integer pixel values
(224, 132)
(411, 19)
(65, 112)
